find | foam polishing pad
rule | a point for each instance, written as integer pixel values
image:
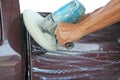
(32, 22)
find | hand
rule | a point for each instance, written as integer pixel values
(66, 32)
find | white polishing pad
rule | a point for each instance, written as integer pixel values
(32, 21)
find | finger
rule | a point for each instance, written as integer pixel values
(60, 39)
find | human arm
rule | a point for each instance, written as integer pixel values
(98, 19)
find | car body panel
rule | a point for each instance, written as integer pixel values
(12, 48)
(95, 57)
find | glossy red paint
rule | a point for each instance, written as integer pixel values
(98, 60)
(12, 48)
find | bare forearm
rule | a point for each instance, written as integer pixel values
(101, 18)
